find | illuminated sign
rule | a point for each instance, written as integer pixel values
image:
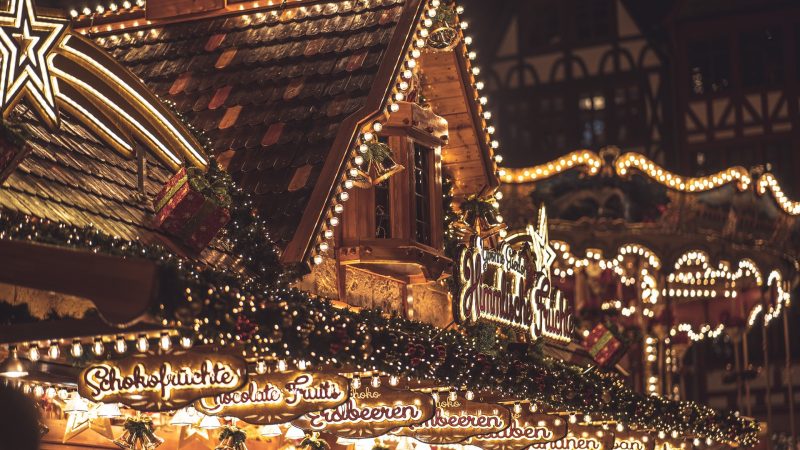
(525, 430)
(580, 438)
(45, 62)
(457, 419)
(278, 397)
(370, 412)
(162, 382)
(519, 294)
(633, 441)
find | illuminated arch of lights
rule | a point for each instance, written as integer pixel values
(54, 68)
(692, 277)
(623, 165)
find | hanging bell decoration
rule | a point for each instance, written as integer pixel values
(232, 438)
(313, 442)
(138, 435)
(444, 34)
(380, 165)
(478, 216)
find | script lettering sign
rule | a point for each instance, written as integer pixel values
(278, 397)
(165, 382)
(459, 419)
(510, 286)
(633, 441)
(580, 438)
(525, 430)
(370, 412)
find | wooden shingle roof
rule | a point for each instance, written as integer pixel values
(269, 88)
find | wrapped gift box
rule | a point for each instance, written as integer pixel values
(603, 345)
(188, 208)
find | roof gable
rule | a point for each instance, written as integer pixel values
(271, 89)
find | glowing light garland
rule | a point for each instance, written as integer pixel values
(624, 163)
(578, 158)
(766, 182)
(38, 53)
(372, 126)
(313, 330)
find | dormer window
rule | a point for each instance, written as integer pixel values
(383, 210)
(423, 171)
(399, 218)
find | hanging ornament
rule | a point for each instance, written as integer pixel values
(380, 165)
(189, 435)
(81, 421)
(138, 434)
(313, 442)
(478, 216)
(443, 35)
(232, 438)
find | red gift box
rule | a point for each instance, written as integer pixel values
(186, 210)
(602, 345)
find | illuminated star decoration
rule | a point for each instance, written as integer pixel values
(189, 434)
(79, 422)
(26, 40)
(544, 253)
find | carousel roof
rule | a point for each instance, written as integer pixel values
(722, 249)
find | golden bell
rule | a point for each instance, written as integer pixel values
(385, 169)
(230, 444)
(150, 441)
(362, 180)
(127, 441)
(225, 444)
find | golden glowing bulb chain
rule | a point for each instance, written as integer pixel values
(398, 94)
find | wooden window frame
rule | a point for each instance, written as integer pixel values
(359, 219)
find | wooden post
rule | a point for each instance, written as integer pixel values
(768, 395)
(141, 170)
(737, 360)
(788, 375)
(746, 363)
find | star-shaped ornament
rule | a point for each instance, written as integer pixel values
(79, 422)
(26, 41)
(194, 437)
(544, 253)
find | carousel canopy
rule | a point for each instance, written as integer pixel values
(692, 255)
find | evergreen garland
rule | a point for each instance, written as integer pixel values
(266, 318)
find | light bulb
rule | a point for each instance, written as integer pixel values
(53, 352)
(165, 342)
(142, 343)
(108, 410)
(97, 347)
(77, 349)
(120, 346)
(34, 354)
(295, 433)
(186, 342)
(261, 367)
(270, 430)
(356, 383)
(281, 365)
(76, 404)
(376, 382)
(210, 423)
